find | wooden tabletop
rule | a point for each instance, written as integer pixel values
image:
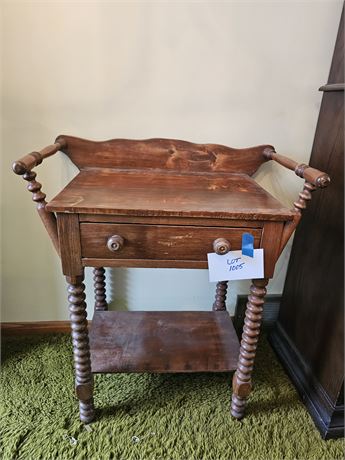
(159, 193)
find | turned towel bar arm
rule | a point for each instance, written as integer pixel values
(311, 175)
(313, 179)
(29, 161)
(24, 167)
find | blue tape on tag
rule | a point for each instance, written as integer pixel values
(247, 245)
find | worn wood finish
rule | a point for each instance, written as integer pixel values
(157, 241)
(99, 286)
(33, 159)
(162, 203)
(48, 218)
(299, 206)
(304, 196)
(242, 383)
(162, 154)
(194, 221)
(69, 242)
(220, 300)
(23, 167)
(312, 175)
(145, 263)
(104, 191)
(221, 246)
(309, 337)
(181, 341)
(314, 178)
(81, 352)
(270, 242)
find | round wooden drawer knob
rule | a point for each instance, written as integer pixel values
(221, 246)
(115, 243)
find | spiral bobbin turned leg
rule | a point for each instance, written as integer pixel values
(99, 285)
(48, 218)
(34, 187)
(304, 196)
(81, 351)
(221, 291)
(241, 383)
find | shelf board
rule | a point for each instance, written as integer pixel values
(163, 342)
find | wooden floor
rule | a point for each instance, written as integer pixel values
(163, 342)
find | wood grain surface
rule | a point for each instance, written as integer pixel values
(178, 341)
(69, 241)
(105, 191)
(164, 154)
(166, 220)
(158, 241)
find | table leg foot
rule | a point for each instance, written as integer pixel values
(86, 411)
(81, 350)
(241, 383)
(237, 406)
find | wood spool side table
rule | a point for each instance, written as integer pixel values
(162, 203)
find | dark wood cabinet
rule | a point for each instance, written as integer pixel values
(309, 336)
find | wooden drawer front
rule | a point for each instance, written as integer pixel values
(158, 241)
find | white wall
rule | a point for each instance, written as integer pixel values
(236, 73)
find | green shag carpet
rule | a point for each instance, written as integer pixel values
(144, 416)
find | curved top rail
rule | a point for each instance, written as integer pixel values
(162, 154)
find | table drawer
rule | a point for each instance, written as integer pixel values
(157, 241)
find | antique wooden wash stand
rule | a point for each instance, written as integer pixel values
(162, 203)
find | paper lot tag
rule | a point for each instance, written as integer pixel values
(235, 266)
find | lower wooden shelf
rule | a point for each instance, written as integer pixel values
(141, 341)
